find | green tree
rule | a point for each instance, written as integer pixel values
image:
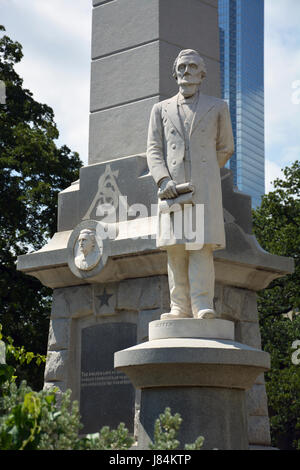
(276, 225)
(33, 169)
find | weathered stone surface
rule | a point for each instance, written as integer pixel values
(72, 302)
(145, 317)
(240, 213)
(248, 333)
(259, 430)
(138, 17)
(68, 214)
(206, 412)
(256, 400)
(56, 366)
(260, 380)
(232, 302)
(129, 294)
(218, 299)
(139, 294)
(197, 15)
(192, 328)
(59, 334)
(249, 310)
(192, 362)
(122, 173)
(147, 21)
(165, 294)
(109, 137)
(148, 48)
(105, 299)
(151, 293)
(144, 61)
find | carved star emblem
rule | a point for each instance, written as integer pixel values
(104, 298)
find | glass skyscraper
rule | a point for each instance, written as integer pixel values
(241, 24)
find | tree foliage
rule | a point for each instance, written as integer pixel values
(33, 169)
(166, 429)
(276, 226)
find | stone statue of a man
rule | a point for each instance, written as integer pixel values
(189, 140)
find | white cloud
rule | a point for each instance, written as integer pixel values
(70, 17)
(66, 93)
(56, 36)
(272, 171)
(282, 71)
(290, 154)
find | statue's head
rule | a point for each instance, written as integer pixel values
(86, 241)
(189, 68)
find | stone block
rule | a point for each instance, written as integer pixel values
(56, 366)
(149, 20)
(68, 215)
(259, 430)
(216, 414)
(129, 294)
(218, 299)
(105, 299)
(165, 293)
(260, 379)
(138, 66)
(72, 302)
(145, 317)
(59, 334)
(201, 25)
(249, 310)
(232, 303)
(237, 204)
(122, 173)
(151, 293)
(213, 329)
(256, 400)
(139, 294)
(138, 17)
(110, 137)
(139, 78)
(248, 333)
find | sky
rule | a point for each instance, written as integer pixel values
(56, 40)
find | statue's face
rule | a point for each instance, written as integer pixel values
(86, 243)
(189, 71)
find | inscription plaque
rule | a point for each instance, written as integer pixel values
(107, 396)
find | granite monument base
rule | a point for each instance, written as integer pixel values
(197, 369)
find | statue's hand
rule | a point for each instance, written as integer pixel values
(167, 189)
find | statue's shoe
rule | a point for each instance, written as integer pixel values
(174, 314)
(206, 313)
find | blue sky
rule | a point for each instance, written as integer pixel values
(56, 39)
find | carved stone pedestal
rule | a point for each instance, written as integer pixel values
(197, 369)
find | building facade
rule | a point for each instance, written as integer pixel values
(241, 24)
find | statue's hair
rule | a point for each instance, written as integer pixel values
(89, 232)
(189, 52)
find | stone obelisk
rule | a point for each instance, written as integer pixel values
(104, 299)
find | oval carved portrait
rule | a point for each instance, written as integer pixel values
(88, 250)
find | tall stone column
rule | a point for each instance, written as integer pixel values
(134, 44)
